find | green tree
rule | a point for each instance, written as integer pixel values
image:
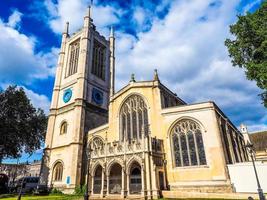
(248, 49)
(22, 127)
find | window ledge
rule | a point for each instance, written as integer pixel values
(57, 181)
(190, 167)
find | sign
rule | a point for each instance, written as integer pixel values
(68, 180)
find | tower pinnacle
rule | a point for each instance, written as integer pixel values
(66, 28)
(156, 76)
(112, 61)
(132, 78)
(111, 32)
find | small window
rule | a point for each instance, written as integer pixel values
(58, 172)
(63, 128)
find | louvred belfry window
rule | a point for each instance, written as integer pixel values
(99, 60)
(73, 58)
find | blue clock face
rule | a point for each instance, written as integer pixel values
(67, 95)
(97, 96)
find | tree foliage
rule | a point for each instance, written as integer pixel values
(248, 49)
(22, 127)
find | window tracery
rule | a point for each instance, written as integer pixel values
(73, 58)
(133, 118)
(187, 144)
(99, 60)
(58, 172)
(97, 143)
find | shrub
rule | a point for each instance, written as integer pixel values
(80, 190)
(56, 191)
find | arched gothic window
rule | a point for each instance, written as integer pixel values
(58, 172)
(73, 58)
(133, 118)
(187, 144)
(63, 128)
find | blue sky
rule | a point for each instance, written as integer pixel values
(183, 39)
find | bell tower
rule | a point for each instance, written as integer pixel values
(83, 82)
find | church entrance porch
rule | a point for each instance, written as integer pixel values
(115, 185)
(97, 182)
(126, 169)
(135, 179)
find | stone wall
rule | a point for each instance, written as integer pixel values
(204, 188)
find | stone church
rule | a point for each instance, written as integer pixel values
(140, 140)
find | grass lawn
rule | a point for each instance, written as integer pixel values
(49, 197)
(204, 199)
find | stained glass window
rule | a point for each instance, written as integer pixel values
(200, 145)
(140, 122)
(134, 110)
(128, 126)
(135, 122)
(192, 148)
(176, 148)
(187, 143)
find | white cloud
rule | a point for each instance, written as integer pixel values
(38, 100)
(19, 64)
(187, 47)
(14, 19)
(139, 15)
(257, 127)
(73, 11)
(18, 61)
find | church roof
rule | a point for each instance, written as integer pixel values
(144, 84)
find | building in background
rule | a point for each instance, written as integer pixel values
(17, 171)
(259, 141)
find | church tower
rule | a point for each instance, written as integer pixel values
(83, 83)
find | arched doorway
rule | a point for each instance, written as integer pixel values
(135, 179)
(98, 180)
(115, 179)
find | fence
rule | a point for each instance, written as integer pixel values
(243, 176)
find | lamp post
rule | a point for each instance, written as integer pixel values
(88, 154)
(260, 192)
(22, 182)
